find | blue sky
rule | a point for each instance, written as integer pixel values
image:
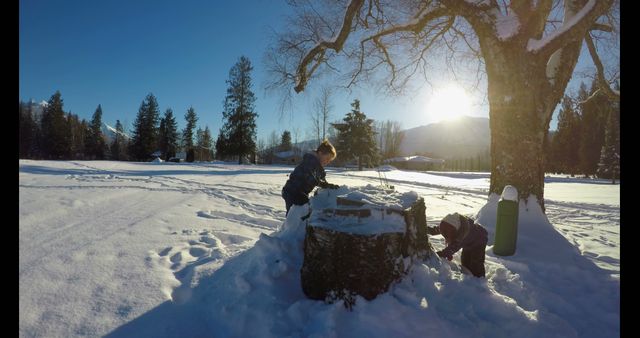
(115, 52)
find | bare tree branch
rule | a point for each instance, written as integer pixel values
(319, 49)
(603, 84)
(601, 27)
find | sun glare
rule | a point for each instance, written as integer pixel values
(449, 103)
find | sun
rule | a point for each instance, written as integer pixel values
(448, 103)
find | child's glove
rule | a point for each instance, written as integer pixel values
(442, 254)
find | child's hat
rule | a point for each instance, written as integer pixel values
(452, 220)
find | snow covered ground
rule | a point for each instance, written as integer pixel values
(192, 250)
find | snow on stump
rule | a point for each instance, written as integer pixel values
(361, 240)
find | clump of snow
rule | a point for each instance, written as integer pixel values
(510, 193)
(157, 160)
(373, 196)
(507, 25)
(379, 202)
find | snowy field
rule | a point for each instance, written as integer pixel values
(193, 250)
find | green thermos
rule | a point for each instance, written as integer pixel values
(507, 223)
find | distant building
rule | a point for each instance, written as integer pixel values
(287, 157)
(415, 162)
(181, 156)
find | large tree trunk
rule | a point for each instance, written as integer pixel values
(518, 109)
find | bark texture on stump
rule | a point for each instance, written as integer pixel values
(341, 264)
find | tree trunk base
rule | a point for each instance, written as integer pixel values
(340, 264)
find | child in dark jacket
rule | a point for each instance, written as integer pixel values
(309, 174)
(462, 232)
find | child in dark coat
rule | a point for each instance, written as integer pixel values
(462, 232)
(309, 174)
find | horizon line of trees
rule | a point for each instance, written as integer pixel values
(586, 142)
(49, 132)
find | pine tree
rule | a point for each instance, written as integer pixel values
(26, 131)
(356, 137)
(567, 138)
(94, 142)
(285, 143)
(594, 113)
(239, 129)
(55, 140)
(168, 135)
(609, 165)
(145, 133)
(118, 144)
(199, 153)
(77, 131)
(221, 146)
(207, 144)
(187, 134)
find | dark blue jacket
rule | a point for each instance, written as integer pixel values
(470, 235)
(306, 176)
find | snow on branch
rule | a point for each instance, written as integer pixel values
(573, 28)
(507, 26)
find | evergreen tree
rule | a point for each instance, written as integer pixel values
(221, 146)
(356, 137)
(239, 129)
(199, 152)
(145, 133)
(168, 135)
(77, 132)
(566, 141)
(26, 131)
(207, 143)
(285, 143)
(594, 113)
(119, 143)
(204, 145)
(94, 143)
(609, 165)
(187, 134)
(55, 137)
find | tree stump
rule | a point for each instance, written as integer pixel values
(361, 240)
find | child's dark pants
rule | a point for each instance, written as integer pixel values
(473, 259)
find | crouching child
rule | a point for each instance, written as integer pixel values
(461, 232)
(308, 174)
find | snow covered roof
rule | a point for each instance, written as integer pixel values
(418, 159)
